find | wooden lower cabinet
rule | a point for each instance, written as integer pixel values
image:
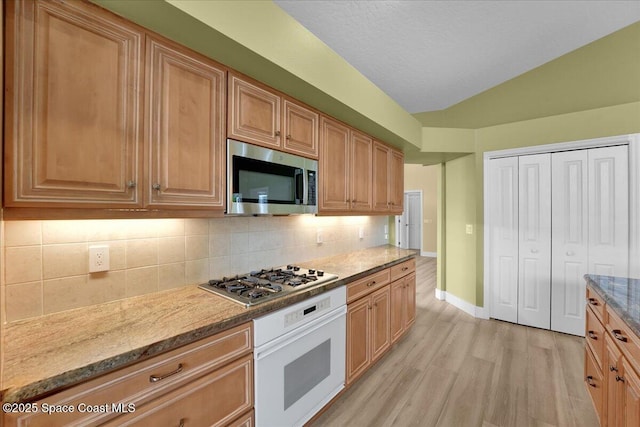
(611, 366)
(216, 399)
(378, 313)
(208, 382)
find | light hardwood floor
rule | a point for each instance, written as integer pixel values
(454, 370)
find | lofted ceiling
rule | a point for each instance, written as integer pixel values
(430, 55)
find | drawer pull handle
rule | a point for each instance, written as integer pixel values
(618, 334)
(371, 283)
(613, 368)
(592, 335)
(181, 422)
(277, 133)
(619, 378)
(405, 268)
(593, 301)
(590, 381)
(156, 378)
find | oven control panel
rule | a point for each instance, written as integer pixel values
(299, 315)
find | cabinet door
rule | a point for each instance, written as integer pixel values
(398, 308)
(185, 128)
(361, 146)
(410, 287)
(73, 74)
(380, 318)
(534, 272)
(300, 129)
(613, 405)
(381, 177)
(358, 333)
(334, 166)
(569, 242)
(254, 113)
(631, 396)
(396, 181)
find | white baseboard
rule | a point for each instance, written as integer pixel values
(429, 254)
(467, 307)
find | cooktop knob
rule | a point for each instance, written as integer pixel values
(312, 271)
(289, 267)
(320, 273)
(296, 268)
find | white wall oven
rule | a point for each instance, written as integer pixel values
(299, 359)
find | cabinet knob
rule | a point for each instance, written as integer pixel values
(613, 368)
(593, 301)
(131, 184)
(288, 136)
(156, 187)
(277, 133)
(592, 335)
(590, 381)
(181, 424)
(371, 283)
(619, 378)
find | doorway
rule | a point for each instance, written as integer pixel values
(409, 224)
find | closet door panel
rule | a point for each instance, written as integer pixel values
(609, 210)
(534, 212)
(503, 202)
(569, 241)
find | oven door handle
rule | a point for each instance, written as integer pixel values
(286, 339)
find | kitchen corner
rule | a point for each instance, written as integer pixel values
(59, 350)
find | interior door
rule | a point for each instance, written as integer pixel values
(503, 223)
(413, 219)
(534, 260)
(609, 211)
(569, 242)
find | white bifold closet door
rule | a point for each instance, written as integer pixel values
(534, 258)
(503, 205)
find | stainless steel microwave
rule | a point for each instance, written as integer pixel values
(261, 181)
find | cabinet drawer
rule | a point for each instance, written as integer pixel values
(402, 269)
(366, 285)
(595, 336)
(626, 340)
(596, 303)
(143, 381)
(212, 400)
(593, 381)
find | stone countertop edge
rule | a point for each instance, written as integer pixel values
(370, 261)
(632, 322)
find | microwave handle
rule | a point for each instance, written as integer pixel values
(301, 187)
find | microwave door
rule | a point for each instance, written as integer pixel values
(300, 196)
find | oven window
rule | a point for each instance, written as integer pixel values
(306, 372)
(264, 182)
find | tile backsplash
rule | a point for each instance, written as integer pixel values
(46, 263)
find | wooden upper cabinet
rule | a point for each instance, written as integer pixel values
(73, 104)
(300, 129)
(254, 113)
(388, 179)
(381, 177)
(334, 166)
(396, 181)
(361, 157)
(185, 133)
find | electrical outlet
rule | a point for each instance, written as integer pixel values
(319, 236)
(469, 228)
(361, 233)
(98, 258)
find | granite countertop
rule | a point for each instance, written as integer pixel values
(622, 294)
(62, 349)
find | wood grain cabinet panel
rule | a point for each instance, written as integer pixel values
(380, 318)
(612, 409)
(594, 382)
(631, 395)
(403, 305)
(186, 106)
(388, 179)
(335, 166)
(73, 89)
(396, 181)
(361, 167)
(358, 339)
(254, 113)
(300, 128)
(213, 400)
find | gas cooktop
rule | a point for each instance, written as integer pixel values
(267, 284)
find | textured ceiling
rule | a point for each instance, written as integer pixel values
(429, 55)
